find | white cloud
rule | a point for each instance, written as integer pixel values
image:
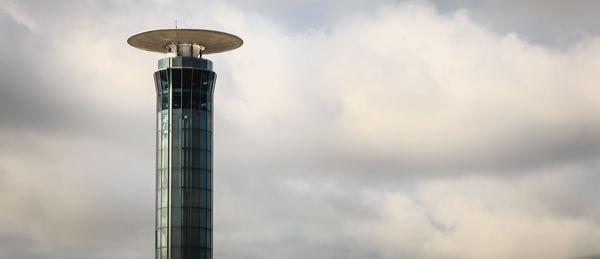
(410, 87)
(463, 217)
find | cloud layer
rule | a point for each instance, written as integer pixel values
(395, 132)
(411, 90)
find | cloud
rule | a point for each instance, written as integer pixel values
(408, 89)
(469, 217)
(396, 132)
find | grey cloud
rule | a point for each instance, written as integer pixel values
(466, 217)
(17, 246)
(61, 176)
(553, 23)
(83, 200)
(26, 100)
(42, 94)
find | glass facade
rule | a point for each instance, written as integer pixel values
(184, 87)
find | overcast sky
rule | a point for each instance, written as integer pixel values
(344, 129)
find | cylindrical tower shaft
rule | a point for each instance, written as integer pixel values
(184, 88)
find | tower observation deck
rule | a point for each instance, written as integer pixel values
(184, 85)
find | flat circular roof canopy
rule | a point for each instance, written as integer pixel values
(212, 41)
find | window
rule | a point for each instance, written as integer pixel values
(164, 80)
(186, 218)
(200, 120)
(175, 251)
(176, 82)
(158, 238)
(186, 199)
(163, 198)
(195, 99)
(164, 216)
(197, 79)
(200, 139)
(176, 198)
(176, 176)
(163, 238)
(175, 237)
(185, 237)
(186, 101)
(204, 198)
(197, 217)
(158, 210)
(186, 178)
(165, 101)
(208, 218)
(196, 198)
(165, 177)
(177, 61)
(197, 253)
(211, 81)
(200, 179)
(176, 154)
(200, 159)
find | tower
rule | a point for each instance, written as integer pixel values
(184, 85)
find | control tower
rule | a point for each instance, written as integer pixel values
(184, 85)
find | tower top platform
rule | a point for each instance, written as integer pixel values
(169, 40)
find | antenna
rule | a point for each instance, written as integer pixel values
(175, 23)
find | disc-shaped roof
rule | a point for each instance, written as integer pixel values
(212, 41)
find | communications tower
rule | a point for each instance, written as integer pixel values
(184, 85)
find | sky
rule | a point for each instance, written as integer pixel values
(343, 129)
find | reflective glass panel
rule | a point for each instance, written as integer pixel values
(164, 198)
(196, 253)
(195, 99)
(186, 216)
(187, 197)
(175, 251)
(211, 79)
(197, 79)
(176, 88)
(187, 179)
(209, 218)
(164, 80)
(198, 238)
(175, 237)
(165, 177)
(197, 216)
(176, 214)
(186, 86)
(209, 237)
(176, 197)
(196, 198)
(158, 218)
(163, 237)
(158, 200)
(158, 238)
(175, 179)
(164, 217)
(176, 155)
(203, 198)
(177, 61)
(185, 237)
